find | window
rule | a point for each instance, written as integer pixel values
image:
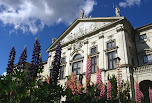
(93, 64)
(147, 59)
(93, 50)
(93, 60)
(142, 37)
(61, 75)
(111, 60)
(62, 60)
(77, 56)
(76, 66)
(111, 44)
(61, 71)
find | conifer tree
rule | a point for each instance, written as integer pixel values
(56, 63)
(11, 61)
(36, 63)
(22, 60)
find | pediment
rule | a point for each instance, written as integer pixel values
(84, 26)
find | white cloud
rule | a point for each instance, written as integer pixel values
(33, 15)
(4, 74)
(129, 3)
(59, 20)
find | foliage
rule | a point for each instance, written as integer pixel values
(36, 63)
(108, 90)
(82, 97)
(88, 71)
(94, 94)
(56, 63)
(20, 90)
(22, 60)
(125, 91)
(17, 88)
(11, 61)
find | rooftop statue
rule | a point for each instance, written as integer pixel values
(82, 14)
(117, 11)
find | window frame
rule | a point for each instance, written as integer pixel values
(77, 67)
(75, 61)
(93, 50)
(94, 64)
(77, 56)
(146, 57)
(61, 72)
(94, 54)
(112, 42)
(63, 64)
(143, 36)
(63, 60)
(113, 58)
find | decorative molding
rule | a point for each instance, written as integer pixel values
(120, 29)
(63, 53)
(143, 69)
(101, 36)
(75, 51)
(80, 59)
(110, 36)
(86, 42)
(94, 54)
(93, 43)
(69, 48)
(77, 45)
(63, 64)
(111, 49)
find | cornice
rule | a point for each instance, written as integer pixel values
(145, 27)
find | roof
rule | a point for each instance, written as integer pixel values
(145, 27)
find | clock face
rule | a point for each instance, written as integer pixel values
(83, 28)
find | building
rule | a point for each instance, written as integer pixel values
(105, 39)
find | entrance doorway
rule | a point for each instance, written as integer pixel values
(144, 87)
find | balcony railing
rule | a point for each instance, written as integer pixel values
(143, 69)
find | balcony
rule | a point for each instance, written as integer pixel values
(143, 69)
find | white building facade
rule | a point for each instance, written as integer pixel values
(105, 39)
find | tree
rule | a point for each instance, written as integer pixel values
(36, 63)
(11, 61)
(56, 63)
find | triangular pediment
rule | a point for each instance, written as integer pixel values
(84, 26)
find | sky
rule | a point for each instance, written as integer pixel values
(21, 21)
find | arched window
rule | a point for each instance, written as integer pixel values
(77, 56)
(76, 66)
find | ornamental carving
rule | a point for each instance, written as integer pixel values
(77, 45)
(83, 28)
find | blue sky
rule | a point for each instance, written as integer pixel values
(23, 20)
